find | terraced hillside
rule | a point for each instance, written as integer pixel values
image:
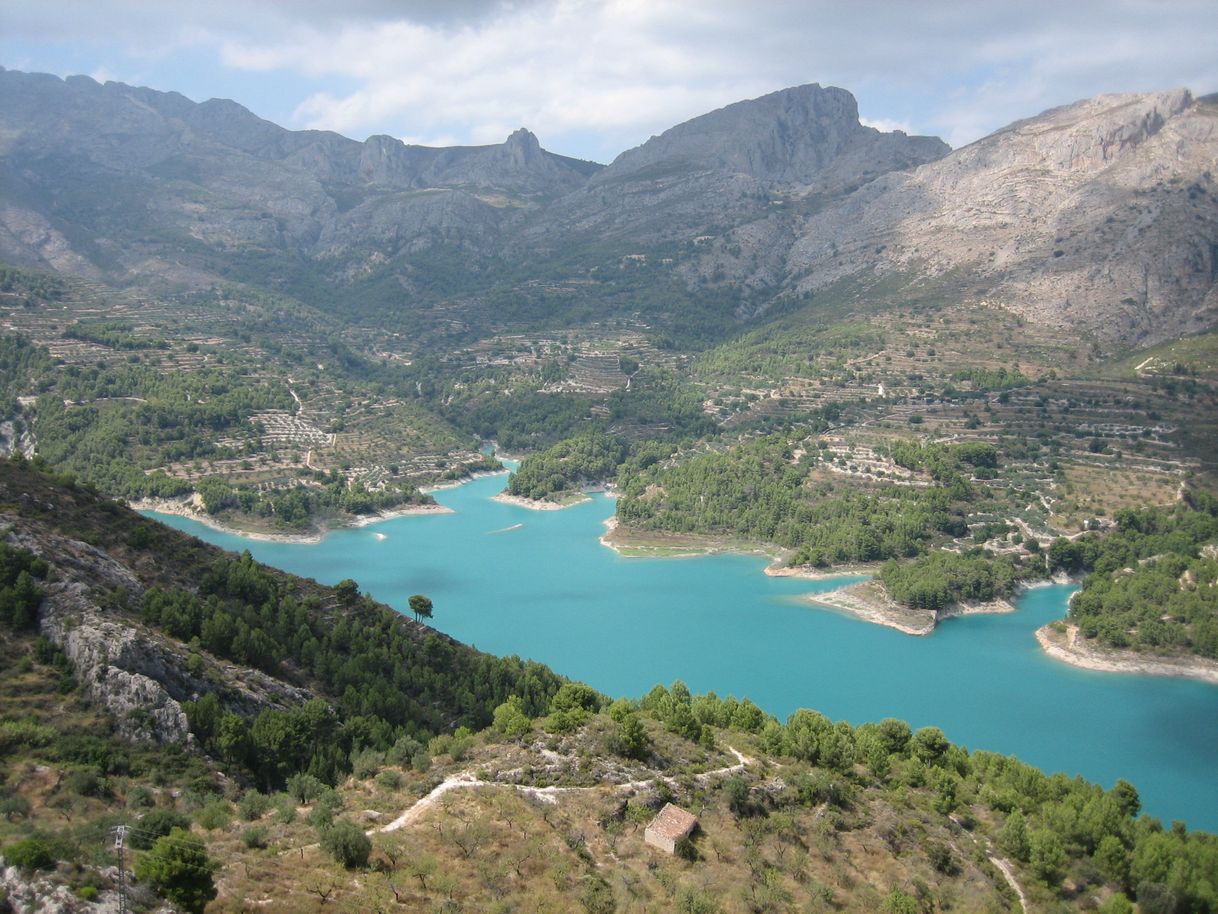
(255, 391)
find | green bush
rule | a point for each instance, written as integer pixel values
(15, 807)
(30, 854)
(254, 837)
(216, 814)
(389, 779)
(347, 844)
(403, 751)
(156, 824)
(366, 763)
(510, 719)
(899, 902)
(253, 805)
(87, 783)
(179, 869)
(305, 788)
(139, 797)
(285, 809)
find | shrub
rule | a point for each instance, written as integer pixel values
(179, 869)
(403, 750)
(215, 814)
(736, 789)
(139, 797)
(30, 854)
(510, 718)
(389, 779)
(285, 809)
(15, 807)
(899, 902)
(87, 783)
(941, 858)
(156, 824)
(253, 805)
(305, 788)
(1116, 904)
(347, 844)
(254, 837)
(366, 763)
(461, 743)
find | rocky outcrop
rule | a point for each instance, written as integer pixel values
(807, 138)
(139, 677)
(120, 669)
(47, 893)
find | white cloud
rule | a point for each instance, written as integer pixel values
(887, 125)
(104, 74)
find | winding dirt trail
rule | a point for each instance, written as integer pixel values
(466, 780)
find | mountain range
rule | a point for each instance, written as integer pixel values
(1100, 215)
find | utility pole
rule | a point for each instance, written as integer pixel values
(120, 845)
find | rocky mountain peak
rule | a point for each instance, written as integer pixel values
(524, 139)
(790, 136)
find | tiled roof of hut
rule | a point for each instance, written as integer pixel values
(673, 822)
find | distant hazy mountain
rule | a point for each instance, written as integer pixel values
(111, 178)
(1102, 214)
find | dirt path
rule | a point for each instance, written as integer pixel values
(465, 780)
(1005, 869)
(1003, 866)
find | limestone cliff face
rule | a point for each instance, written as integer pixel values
(1102, 215)
(121, 670)
(136, 675)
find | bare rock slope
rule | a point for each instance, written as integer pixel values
(1101, 215)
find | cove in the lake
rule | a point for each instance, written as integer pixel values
(539, 584)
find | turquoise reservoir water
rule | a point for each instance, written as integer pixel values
(539, 584)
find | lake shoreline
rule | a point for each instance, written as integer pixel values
(456, 483)
(632, 543)
(538, 504)
(1065, 644)
(869, 601)
(186, 507)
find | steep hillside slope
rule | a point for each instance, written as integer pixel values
(153, 619)
(1101, 215)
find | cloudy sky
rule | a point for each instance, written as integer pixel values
(594, 77)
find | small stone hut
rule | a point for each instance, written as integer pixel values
(670, 825)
